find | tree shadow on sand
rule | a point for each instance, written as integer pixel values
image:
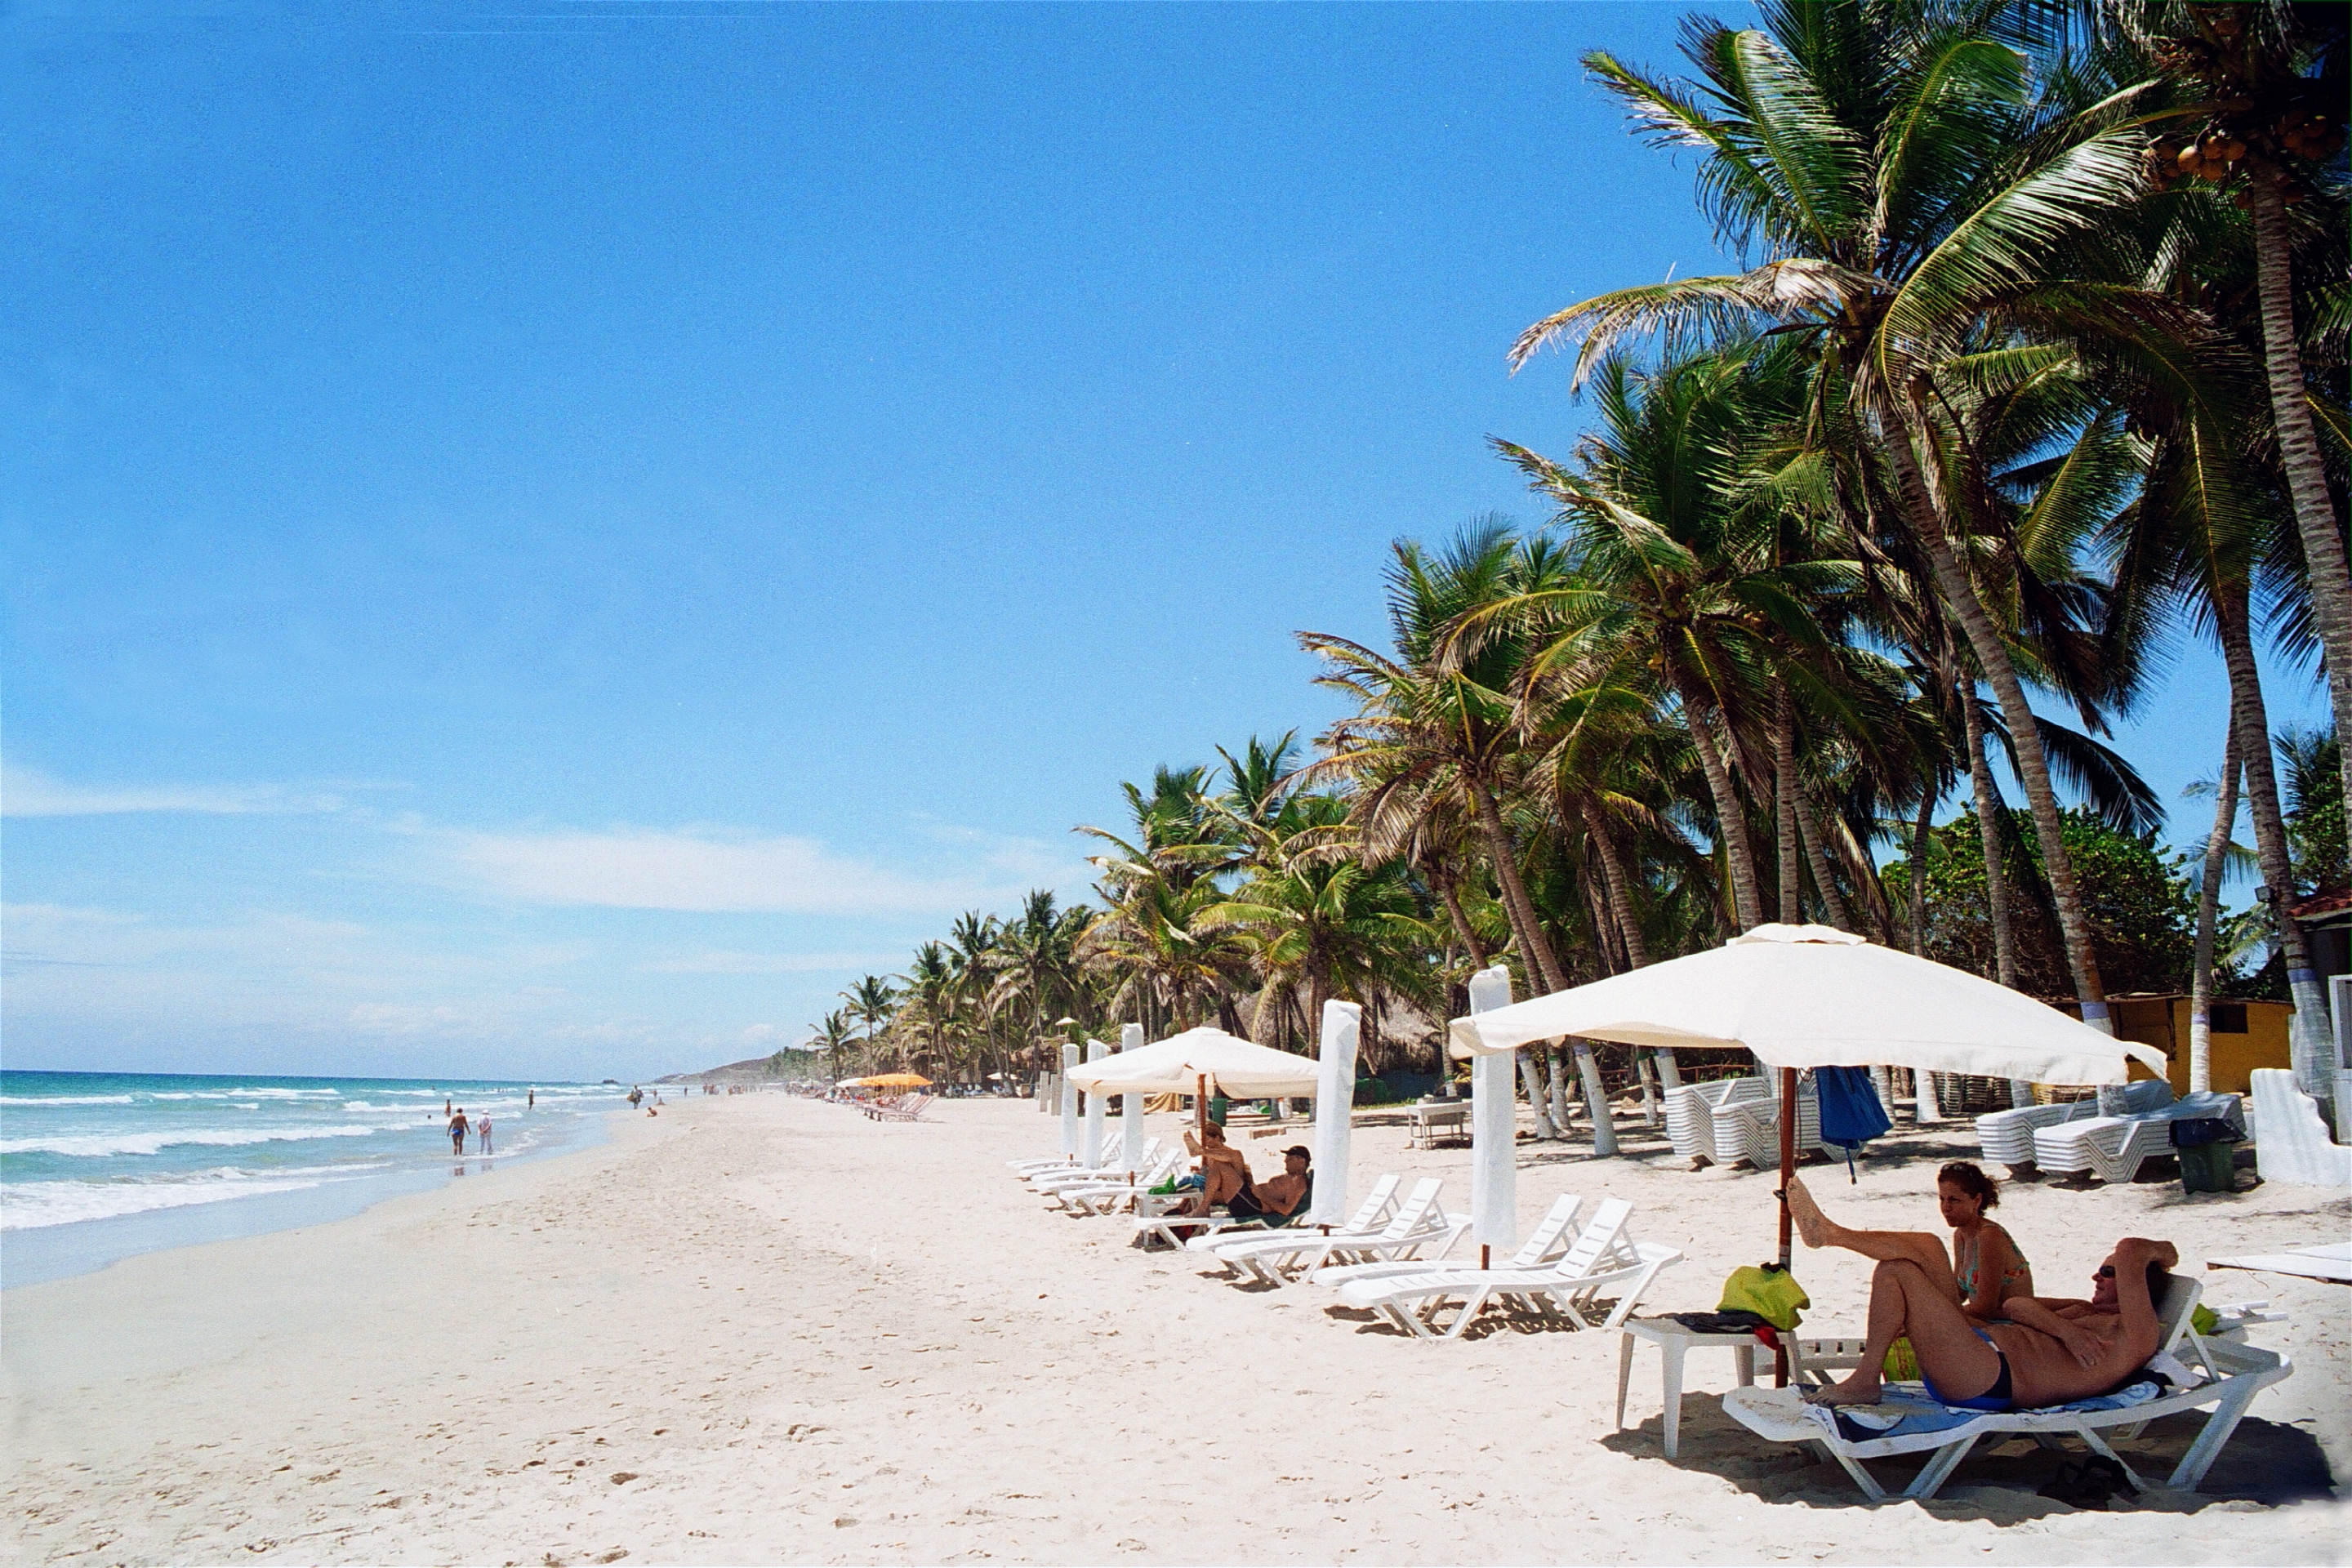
(2268, 1464)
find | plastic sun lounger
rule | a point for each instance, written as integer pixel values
(1105, 1194)
(1749, 1129)
(1369, 1222)
(1082, 1176)
(2007, 1136)
(1404, 1230)
(1542, 1249)
(1603, 1255)
(1691, 1111)
(2114, 1148)
(1067, 1162)
(1025, 1169)
(2236, 1373)
(1153, 1223)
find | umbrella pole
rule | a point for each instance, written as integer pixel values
(1787, 1174)
(1200, 1132)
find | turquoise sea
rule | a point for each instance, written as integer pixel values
(97, 1166)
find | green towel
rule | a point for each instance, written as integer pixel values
(1769, 1290)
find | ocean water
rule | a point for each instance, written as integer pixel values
(97, 1166)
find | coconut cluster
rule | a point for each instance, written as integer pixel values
(2263, 124)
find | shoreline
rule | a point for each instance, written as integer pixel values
(38, 1255)
(762, 1329)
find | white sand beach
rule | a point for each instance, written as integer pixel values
(760, 1330)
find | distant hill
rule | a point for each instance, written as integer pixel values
(784, 1066)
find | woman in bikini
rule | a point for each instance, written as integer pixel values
(1984, 1268)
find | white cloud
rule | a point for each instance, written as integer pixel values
(24, 793)
(710, 872)
(398, 1019)
(726, 963)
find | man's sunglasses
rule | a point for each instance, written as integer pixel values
(2106, 1271)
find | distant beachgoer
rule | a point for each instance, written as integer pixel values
(636, 1095)
(444, 1105)
(482, 1137)
(531, 1100)
(459, 1128)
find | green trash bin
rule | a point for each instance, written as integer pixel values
(2208, 1148)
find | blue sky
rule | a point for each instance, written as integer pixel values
(546, 539)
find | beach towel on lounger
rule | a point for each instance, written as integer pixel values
(1907, 1410)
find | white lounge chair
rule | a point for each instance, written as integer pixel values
(2235, 1373)
(1371, 1217)
(1541, 1249)
(1107, 1193)
(1080, 1175)
(2007, 1136)
(1403, 1229)
(1749, 1129)
(1690, 1111)
(1602, 1255)
(2114, 1148)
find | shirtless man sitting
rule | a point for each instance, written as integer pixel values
(2050, 1350)
(1279, 1197)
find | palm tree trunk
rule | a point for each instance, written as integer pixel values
(2312, 1050)
(1920, 874)
(1461, 930)
(1824, 873)
(1989, 809)
(2209, 899)
(1784, 810)
(1629, 925)
(2306, 476)
(1959, 597)
(1748, 902)
(1543, 965)
(1531, 1077)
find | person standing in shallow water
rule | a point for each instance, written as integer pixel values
(458, 1130)
(482, 1137)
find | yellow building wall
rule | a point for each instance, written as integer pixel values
(2264, 1045)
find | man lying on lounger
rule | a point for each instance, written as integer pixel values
(2049, 1351)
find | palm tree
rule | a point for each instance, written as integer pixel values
(2266, 89)
(1314, 910)
(834, 1033)
(1663, 567)
(871, 1001)
(930, 994)
(1431, 724)
(1911, 191)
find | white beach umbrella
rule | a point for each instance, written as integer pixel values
(1806, 997)
(1090, 1146)
(1809, 996)
(1069, 1102)
(1131, 1106)
(1494, 1125)
(1182, 1064)
(1334, 1111)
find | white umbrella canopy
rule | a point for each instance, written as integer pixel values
(1234, 1067)
(1808, 996)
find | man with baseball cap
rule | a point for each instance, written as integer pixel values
(1279, 1199)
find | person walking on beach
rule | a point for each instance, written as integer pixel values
(458, 1130)
(530, 1099)
(482, 1137)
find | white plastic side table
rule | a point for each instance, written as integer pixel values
(1674, 1341)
